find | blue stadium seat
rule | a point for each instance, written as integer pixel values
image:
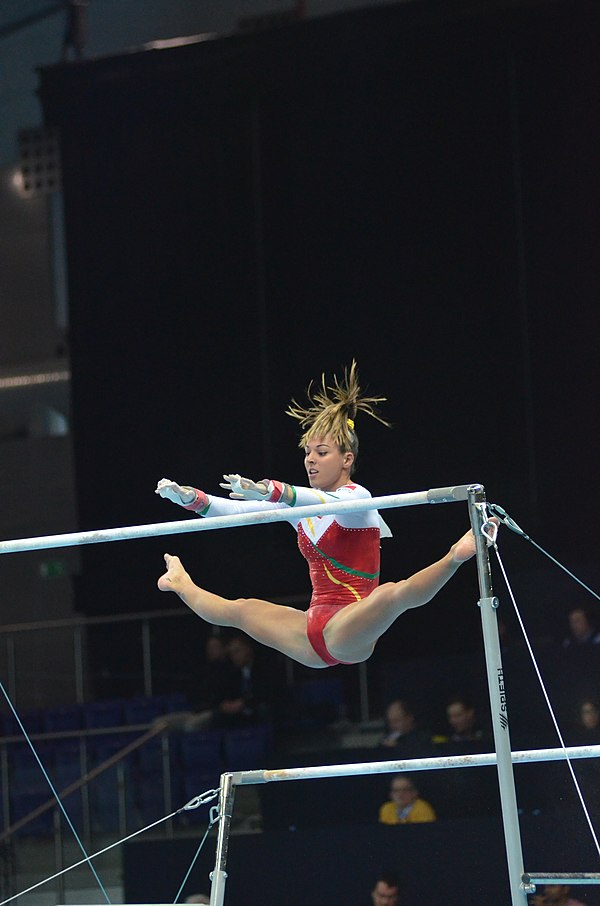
(247, 748)
(31, 720)
(143, 710)
(319, 701)
(175, 701)
(22, 803)
(201, 751)
(25, 772)
(64, 718)
(103, 714)
(105, 795)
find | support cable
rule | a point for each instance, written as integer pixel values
(192, 804)
(55, 794)
(506, 520)
(545, 693)
(214, 817)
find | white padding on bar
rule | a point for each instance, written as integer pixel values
(194, 524)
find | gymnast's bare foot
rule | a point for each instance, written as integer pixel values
(464, 548)
(175, 579)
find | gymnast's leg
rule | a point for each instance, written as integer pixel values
(279, 627)
(351, 634)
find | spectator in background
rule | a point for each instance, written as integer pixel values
(235, 690)
(578, 665)
(205, 689)
(405, 805)
(466, 733)
(403, 735)
(585, 722)
(582, 631)
(198, 898)
(554, 895)
(386, 891)
(249, 695)
(586, 732)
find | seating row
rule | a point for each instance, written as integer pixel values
(166, 772)
(93, 715)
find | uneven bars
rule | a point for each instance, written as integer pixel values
(242, 778)
(434, 495)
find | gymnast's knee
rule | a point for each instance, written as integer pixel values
(244, 603)
(387, 591)
(350, 654)
(232, 613)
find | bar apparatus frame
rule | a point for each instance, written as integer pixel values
(475, 496)
(520, 883)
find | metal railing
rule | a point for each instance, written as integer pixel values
(122, 785)
(78, 628)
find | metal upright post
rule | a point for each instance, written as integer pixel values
(219, 875)
(58, 855)
(497, 692)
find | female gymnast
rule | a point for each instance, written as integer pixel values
(349, 610)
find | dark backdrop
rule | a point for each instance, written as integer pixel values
(455, 861)
(415, 186)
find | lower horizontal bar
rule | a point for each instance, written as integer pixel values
(411, 764)
(127, 533)
(573, 877)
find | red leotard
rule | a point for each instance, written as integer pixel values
(342, 551)
(336, 579)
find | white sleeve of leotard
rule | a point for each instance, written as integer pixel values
(300, 496)
(223, 506)
(365, 519)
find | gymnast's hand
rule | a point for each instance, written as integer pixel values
(170, 490)
(244, 488)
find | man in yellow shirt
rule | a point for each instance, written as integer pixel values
(405, 806)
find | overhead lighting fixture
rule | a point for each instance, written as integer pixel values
(31, 380)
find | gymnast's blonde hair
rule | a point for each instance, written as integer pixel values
(332, 410)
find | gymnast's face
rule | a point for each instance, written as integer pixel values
(327, 467)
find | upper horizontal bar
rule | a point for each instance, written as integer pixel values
(435, 495)
(411, 764)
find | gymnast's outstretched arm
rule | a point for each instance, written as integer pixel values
(245, 494)
(204, 504)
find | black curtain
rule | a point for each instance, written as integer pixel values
(415, 186)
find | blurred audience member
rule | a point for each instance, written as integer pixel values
(236, 690)
(466, 733)
(587, 722)
(586, 732)
(554, 895)
(402, 732)
(249, 695)
(206, 688)
(582, 631)
(386, 891)
(405, 805)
